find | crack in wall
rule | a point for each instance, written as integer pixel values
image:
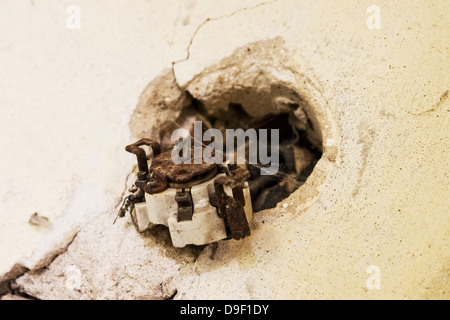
(366, 139)
(188, 49)
(7, 285)
(438, 105)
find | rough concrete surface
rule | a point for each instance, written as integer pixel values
(378, 100)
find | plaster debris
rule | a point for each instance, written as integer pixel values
(39, 221)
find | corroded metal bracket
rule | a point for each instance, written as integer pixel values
(137, 193)
(231, 209)
(140, 153)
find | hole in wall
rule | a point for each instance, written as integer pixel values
(259, 86)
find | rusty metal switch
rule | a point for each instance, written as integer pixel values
(199, 203)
